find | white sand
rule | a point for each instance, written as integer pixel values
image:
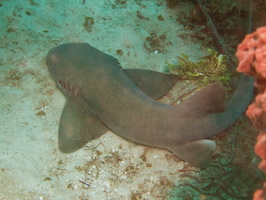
(31, 166)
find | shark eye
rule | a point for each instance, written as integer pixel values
(52, 59)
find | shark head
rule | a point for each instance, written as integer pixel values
(60, 66)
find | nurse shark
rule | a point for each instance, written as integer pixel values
(100, 95)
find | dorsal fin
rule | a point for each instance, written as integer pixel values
(209, 100)
(154, 84)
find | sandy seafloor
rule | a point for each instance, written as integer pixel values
(31, 166)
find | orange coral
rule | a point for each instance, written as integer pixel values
(260, 150)
(259, 195)
(257, 112)
(251, 54)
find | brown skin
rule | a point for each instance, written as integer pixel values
(98, 83)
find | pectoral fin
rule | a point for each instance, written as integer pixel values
(197, 153)
(78, 125)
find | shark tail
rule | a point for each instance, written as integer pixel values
(235, 106)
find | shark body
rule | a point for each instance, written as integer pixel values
(101, 95)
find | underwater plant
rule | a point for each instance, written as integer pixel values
(252, 61)
(209, 69)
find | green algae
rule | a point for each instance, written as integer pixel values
(209, 69)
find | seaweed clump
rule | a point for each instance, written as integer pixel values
(209, 69)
